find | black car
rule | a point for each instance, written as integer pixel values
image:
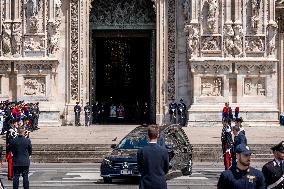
(122, 162)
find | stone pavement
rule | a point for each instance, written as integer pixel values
(105, 134)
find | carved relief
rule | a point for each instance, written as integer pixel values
(34, 86)
(6, 39)
(126, 12)
(211, 43)
(271, 35)
(228, 41)
(279, 2)
(255, 6)
(255, 44)
(211, 86)
(34, 14)
(186, 10)
(238, 41)
(201, 68)
(35, 68)
(192, 39)
(74, 67)
(255, 86)
(34, 43)
(255, 68)
(17, 38)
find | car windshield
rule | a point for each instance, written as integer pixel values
(133, 142)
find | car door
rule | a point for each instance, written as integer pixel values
(171, 146)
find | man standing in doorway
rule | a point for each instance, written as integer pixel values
(153, 163)
(21, 148)
(77, 111)
(173, 111)
(87, 110)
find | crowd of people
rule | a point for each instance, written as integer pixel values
(237, 156)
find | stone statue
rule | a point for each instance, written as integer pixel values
(193, 39)
(255, 6)
(16, 38)
(212, 12)
(31, 8)
(186, 9)
(255, 45)
(228, 41)
(6, 39)
(210, 43)
(238, 40)
(271, 35)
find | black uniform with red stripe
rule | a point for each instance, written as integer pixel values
(272, 172)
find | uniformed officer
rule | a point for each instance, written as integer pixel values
(77, 110)
(242, 176)
(274, 170)
(87, 110)
(227, 142)
(173, 111)
(239, 138)
(182, 113)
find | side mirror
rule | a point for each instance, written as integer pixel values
(113, 146)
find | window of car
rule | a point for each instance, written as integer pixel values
(133, 142)
(179, 136)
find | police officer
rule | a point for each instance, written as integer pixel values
(87, 110)
(274, 170)
(242, 176)
(77, 111)
(173, 111)
(182, 113)
(239, 138)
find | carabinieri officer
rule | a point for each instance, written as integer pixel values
(242, 176)
(274, 170)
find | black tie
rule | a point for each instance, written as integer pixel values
(281, 166)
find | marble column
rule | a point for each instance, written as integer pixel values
(17, 11)
(228, 12)
(7, 10)
(238, 12)
(51, 11)
(194, 11)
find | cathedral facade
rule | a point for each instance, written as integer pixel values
(206, 52)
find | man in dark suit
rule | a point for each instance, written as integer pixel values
(21, 149)
(153, 163)
(239, 138)
(274, 170)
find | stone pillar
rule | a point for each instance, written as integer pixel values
(1, 13)
(17, 11)
(281, 70)
(228, 12)
(238, 12)
(271, 12)
(194, 11)
(7, 8)
(51, 11)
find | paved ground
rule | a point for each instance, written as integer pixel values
(87, 176)
(104, 134)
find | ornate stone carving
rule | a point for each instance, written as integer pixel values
(255, 6)
(228, 41)
(74, 66)
(172, 48)
(4, 67)
(34, 86)
(279, 2)
(255, 68)
(17, 38)
(192, 39)
(255, 44)
(238, 41)
(186, 10)
(211, 86)
(34, 43)
(32, 7)
(32, 10)
(6, 39)
(271, 37)
(124, 13)
(212, 68)
(255, 86)
(44, 66)
(212, 10)
(211, 43)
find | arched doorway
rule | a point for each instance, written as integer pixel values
(122, 59)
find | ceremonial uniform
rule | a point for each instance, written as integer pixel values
(77, 111)
(227, 141)
(182, 113)
(274, 170)
(87, 110)
(173, 112)
(10, 135)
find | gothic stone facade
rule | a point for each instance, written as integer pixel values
(207, 52)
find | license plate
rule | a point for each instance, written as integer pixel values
(126, 172)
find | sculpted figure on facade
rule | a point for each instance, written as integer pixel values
(193, 39)
(228, 41)
(254, 87)
(212, 13)
(271, 37)
(238, 40)
(279, 2)
(255, 44)
(211, 43)
(34, 86)
(34, 44)
(31, 10)
(211, 86)
(6, 39)
(255, 6)
(186, 10)
(16, 38)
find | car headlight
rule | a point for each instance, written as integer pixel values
(107, 161)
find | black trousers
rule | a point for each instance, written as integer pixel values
(17, 171)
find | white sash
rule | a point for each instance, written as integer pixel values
(276, 183)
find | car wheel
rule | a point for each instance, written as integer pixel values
(107, 180)
(188, 169)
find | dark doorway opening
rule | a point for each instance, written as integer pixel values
(122, 63)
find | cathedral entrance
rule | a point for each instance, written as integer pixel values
(122, 61)
(122, 75)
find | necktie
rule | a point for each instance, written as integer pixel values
(281, 166)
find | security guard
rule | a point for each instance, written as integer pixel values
(242, 176)
(77, 111)
(87, 110)
(173, 111)
(274, 170)
(182, 113)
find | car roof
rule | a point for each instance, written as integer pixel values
(142, 130)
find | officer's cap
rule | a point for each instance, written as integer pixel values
(12, 121)
(243, 149)
(279, 147)
(181, 100)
